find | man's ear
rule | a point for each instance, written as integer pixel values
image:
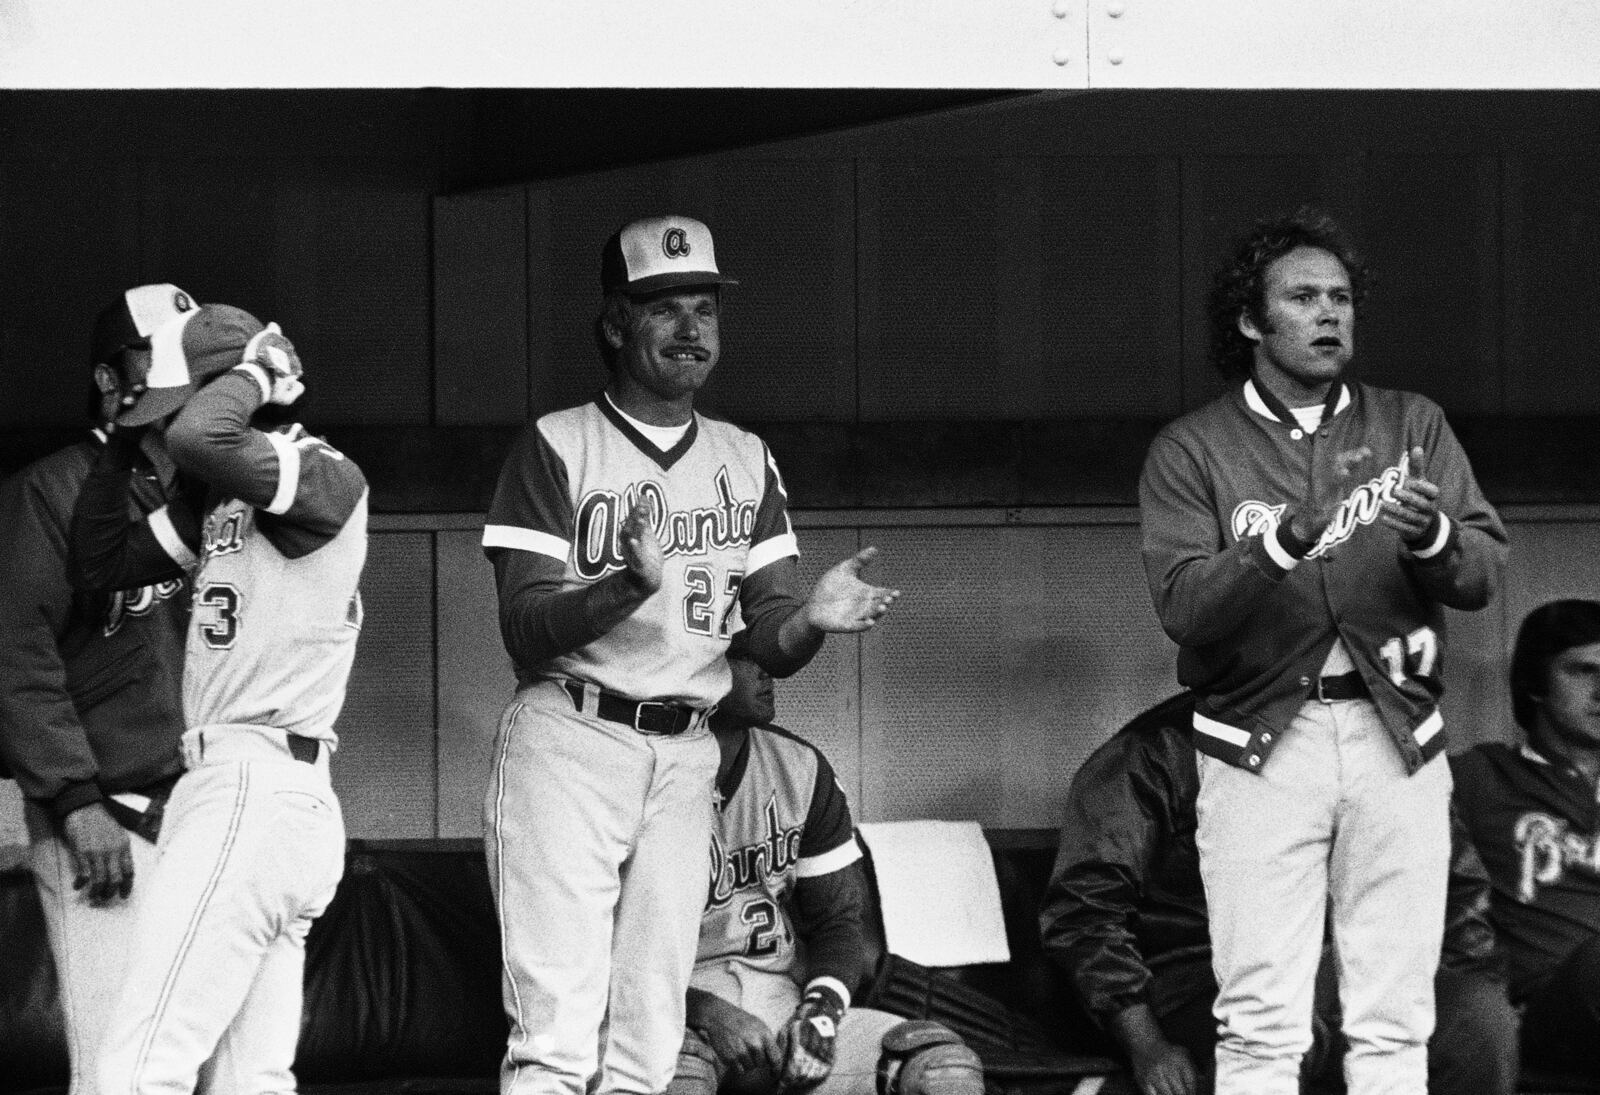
(109, 385)
(614, 335)
(1247, 326)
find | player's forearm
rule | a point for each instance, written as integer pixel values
(781, 640)
(1467, 572)
(107, 548)
(541, 621)
(211, 439)
(830, 909)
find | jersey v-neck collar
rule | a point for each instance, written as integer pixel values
(663, 458)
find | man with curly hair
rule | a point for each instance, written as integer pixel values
(1302, 535)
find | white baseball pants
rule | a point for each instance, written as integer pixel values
(598, 839)
(251, 850)
(1331, 818)
(91, 944)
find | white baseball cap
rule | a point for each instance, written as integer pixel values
(133, 318)
(660, 253)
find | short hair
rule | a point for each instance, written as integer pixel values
(1239, 286)
(616, 309)
(1547, 631)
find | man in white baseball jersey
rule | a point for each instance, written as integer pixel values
(253, 842)
(783, 946)
(628, 535)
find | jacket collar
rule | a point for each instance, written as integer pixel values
(1261, 400)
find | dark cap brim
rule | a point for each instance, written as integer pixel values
(156, 404)
(683, 280)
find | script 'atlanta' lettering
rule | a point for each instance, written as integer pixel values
(224, 532)
(1253, 518)
(749, 867)
(1549, 846)
(597, 543)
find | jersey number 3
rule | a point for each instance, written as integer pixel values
(219, 626)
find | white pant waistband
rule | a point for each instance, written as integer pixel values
(230, 744)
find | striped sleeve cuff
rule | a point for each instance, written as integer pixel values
(526, 539)
(835, 859)
(167, 535)
(770, 551)
(259, 375)
(832, 984)
(1283, 548)
(288, 473)
(1437, 542)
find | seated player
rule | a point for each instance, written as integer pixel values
(1124, 920)
(782, 947)
(1533, 814)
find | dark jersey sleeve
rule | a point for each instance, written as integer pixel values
(112, 546)
(304, 488)
(830, 891)
(528, 538)
(42, 739)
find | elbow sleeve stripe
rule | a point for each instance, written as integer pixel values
(836, 860)
(161, 527)
(770, 551)
(288, 473)
(526, 539)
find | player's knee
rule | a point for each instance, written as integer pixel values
(921, 1057)
(698, 1072)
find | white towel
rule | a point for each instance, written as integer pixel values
(937, 889)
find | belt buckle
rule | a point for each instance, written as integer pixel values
(638, 711)
(1321, 696)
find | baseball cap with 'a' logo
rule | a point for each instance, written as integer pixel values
(660, 253)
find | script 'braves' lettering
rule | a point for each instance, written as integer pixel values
(748, 867)
(597, 539)
(132, 603)
(1362, 507)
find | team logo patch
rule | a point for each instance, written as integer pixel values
(675, 243)
(1252, 518)
(181, 302)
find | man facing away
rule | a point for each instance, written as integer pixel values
(252, 846)
(1302, 535)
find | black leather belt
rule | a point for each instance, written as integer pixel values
(1346, 686)
(303, 748)
(646, 716)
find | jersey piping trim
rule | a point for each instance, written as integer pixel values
(770, 551)
(1234, 736)
(1429, 728)
(526, 539)
(815, 866)
(288, 474)
(161, 527)
(664, 460)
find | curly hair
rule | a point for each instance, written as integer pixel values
(1547, 631)
(1239, 286)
